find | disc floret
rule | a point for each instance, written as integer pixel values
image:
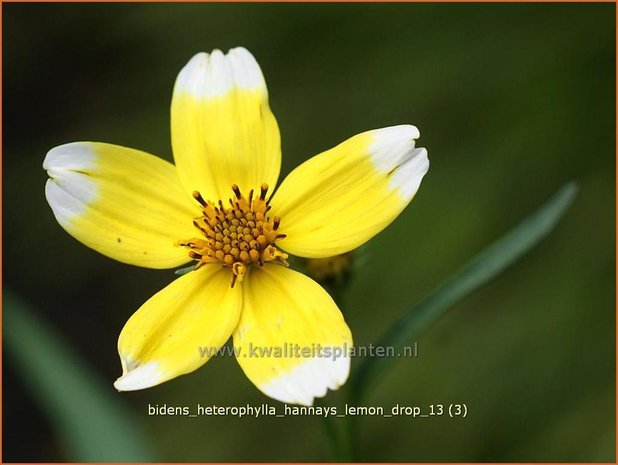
(237, 236)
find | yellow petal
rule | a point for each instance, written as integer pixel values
(223, 131)
(341, 198)
(178, 329)
(286, 318)
(121, 202)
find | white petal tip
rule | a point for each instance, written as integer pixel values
(408, 176)
(401, 133)
(74, 156)
(311, 379)
(393, 152)
(141, 377)
(213, 75)
(68, 192)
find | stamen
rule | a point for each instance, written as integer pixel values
(196, 224)
(238, 271)
(197, 196)
(263, 190)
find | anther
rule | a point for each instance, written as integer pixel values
(263, 190)
(197, 196)
(236, 191)
(276, 221)
(196, 224)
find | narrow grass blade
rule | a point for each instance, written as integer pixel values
(92, 422)
(483, 268)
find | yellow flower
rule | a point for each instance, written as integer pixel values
(215, 207)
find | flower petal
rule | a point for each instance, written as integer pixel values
(341, 198)
(223, 131)
(285, 318)
(123, 203)
(178, 329)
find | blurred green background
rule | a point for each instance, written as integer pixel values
(512, 100)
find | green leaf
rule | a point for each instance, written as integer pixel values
(483, 268)
(92, 421)
(184, 270)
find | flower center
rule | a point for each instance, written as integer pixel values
(237, 236)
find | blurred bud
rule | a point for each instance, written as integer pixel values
(329, 269)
